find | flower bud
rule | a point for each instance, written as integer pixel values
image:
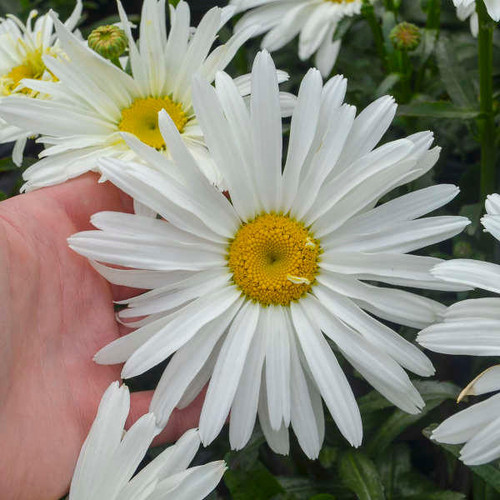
(405, 36)
(108, 41)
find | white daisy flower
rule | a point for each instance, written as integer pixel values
(246, 293)
(466, 9)
(22, 47)
(93, 100)
(315, 21)
(472, 327)
(110, 456)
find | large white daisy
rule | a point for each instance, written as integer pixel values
(93, 100)
(110, 456)
(22, 47)
(315, 21)
(466, 9)
(472, 327)
(246, 293)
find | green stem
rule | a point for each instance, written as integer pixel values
(486, 123)
(369, 14)
(433, 14)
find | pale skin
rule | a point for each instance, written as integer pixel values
(56, 312)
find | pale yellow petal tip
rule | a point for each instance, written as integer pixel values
(468, 391)
(297, 280)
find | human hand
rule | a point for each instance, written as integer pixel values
(56, 312)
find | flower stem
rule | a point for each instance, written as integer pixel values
(369, 14)
(486, 122)
(433, 14)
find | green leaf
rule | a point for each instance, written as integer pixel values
(360, 475)
(433, 393)
(438, 109)
(456, 80)
(256, 484)
(489, 473)
(402, 482)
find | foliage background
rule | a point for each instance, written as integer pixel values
(397, 460)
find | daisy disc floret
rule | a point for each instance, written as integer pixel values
(94, 101)
(110, 456)
(22, 49)
(315, 21)
(245, 293)
(472, 327)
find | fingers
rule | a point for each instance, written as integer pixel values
(84, 196)
(179, 422)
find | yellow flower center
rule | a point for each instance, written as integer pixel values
(141, 119)
(32, 67)
(340, 1)
(274, 259)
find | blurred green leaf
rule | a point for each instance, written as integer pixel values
(456, 81)
(438, 109)
(255, 484)
(433, 393)
(360, 475)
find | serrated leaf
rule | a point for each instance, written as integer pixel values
(489, 473)
(438, 109)
(360, 475)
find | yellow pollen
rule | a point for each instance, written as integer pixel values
(274, 259)
(141, 119)
(33, 67)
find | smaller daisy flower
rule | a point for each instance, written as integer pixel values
(110, 456)
(315, 21)
(93, 102)
(22, 48)
(472, 327)
(466, 9)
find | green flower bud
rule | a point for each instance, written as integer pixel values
(109, 41)
(405, 36)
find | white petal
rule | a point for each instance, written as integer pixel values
(186, 363)
(485, 382)
(302, 131)
(391, 304)
(328, 375)
(227, 372)
(246, 399)
(265, 118)
(278, 440)
(103, 439)
(278, 369)
(476, 338)
(303, 418)
(179, 331)
(474, 273)
(375, 332)
(466, 423)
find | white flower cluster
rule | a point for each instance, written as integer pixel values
(247, 293)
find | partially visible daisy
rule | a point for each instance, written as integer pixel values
(93, 101)
(315, 21)
(466, 9)
(110, 456)
(246, 293)
(22, 47)
(472, 327)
